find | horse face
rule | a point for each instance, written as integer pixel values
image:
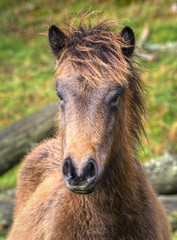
(88, 125)
(93, 68)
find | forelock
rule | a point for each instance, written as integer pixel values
(96, 53)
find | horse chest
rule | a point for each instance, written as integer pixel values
(83, 224)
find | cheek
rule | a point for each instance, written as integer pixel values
(111, 122)
(102, 158)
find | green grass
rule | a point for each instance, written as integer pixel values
(9, 179)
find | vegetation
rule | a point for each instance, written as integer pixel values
(27, 66)
(9, 179)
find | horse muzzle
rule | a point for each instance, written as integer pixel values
(83, 182)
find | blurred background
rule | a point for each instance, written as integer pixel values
(27, 67)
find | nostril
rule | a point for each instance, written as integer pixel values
(91, 169)
(68, 168)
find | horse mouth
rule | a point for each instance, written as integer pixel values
(82, 191)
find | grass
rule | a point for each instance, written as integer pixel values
(27, 65)
(9, 179)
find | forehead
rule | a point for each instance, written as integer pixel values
(68, 76)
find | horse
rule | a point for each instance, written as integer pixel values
(87, 181)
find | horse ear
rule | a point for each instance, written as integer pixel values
(128, 39)
(57, 40)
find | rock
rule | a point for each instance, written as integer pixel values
(6, 210)
(169, 202)
(174, 7)
(162, 173)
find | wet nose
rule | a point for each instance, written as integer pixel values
(84, 182)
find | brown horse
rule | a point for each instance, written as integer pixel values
(87, 182)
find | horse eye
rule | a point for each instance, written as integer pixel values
(115, 98)
(60, 96)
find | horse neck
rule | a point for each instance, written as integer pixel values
(120, 178)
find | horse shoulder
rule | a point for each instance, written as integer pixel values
(38, 165)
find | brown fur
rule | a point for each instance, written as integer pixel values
(123, 205)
